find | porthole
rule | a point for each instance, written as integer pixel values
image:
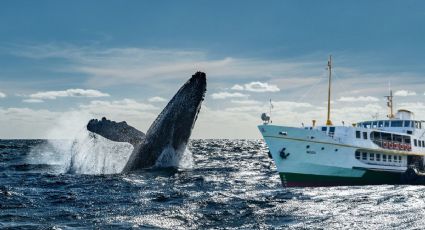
(308, 146)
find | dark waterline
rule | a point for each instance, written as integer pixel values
(232, 185)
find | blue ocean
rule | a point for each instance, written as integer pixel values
(231, 184)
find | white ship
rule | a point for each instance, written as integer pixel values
(389, 151)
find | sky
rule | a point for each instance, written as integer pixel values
(62, 61)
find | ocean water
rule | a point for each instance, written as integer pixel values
(231, 184)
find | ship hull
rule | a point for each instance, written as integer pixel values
(309, 158)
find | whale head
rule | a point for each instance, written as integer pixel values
(171, 130)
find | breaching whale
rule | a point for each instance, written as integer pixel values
(168, 134)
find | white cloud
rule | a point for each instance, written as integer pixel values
(117, 105)
(361, 98)
(238, 87)
(2, 95)
(404, 93)
(32, 100)
(246, 102)
(225, 95)
(257, 86)
(156, 99)
(68, 93)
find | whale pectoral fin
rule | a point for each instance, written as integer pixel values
(116, 131)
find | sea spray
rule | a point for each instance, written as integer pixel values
(180, 158)
(74, 149)
(71, 148)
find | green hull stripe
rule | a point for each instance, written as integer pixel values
(369, 178)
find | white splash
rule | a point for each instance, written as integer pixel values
(94, 154)
(72, 148)
(180, 158)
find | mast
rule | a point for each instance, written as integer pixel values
(390, 105)
(328, 121)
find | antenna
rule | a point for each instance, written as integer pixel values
(328, 120)
(271, 107)
(390, 104)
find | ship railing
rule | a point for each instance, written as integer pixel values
(393, 145)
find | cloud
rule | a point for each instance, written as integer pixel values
(32, 100)
(238, 87)
(404, 93)
(225, 95)
(2, 95)
(257, 86)
(246, 102)
(68, 93)
(37, 123)
(131, 65)
(117, 105)
(157, 99)
(361, 98)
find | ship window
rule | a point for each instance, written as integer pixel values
(386, 136)
(374, 124)
(423, 143)
(420, 143)
(357, 134)
(384, 157)
(324, 129)
(397, 138)
(399, 159)
(358, 155)
(371, 156)
(378, 157)
(366, 124)
(380, 124)
(406, 123)
(375, 135)
(396, 123)
(390, 158)
(406, 140)
(364, 156)
(386, 123)
(415, 142)
(331, 129)
(365, 135)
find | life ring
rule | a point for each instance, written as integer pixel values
(390, 145)
(385, 144)
(402, 146)
(396, 146)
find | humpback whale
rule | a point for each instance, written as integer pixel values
(168, 134)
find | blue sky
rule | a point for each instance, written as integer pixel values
(124, 60)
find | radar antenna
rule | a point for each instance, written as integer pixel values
(390, 105)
